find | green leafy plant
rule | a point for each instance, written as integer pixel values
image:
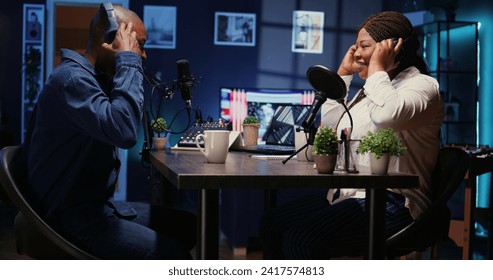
(325, 142)
(251, 120)
(380, 142)
(159, 126)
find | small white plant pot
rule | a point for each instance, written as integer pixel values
(379, 166)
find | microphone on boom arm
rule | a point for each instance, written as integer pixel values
(185, 82)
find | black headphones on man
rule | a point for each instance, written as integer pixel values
(110, 33)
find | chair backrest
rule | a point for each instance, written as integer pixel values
(13, 177)
(452, 166)
(433, 224)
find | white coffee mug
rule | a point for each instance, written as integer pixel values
(216, 145)
(299, 141)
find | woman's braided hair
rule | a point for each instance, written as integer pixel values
(389, 24)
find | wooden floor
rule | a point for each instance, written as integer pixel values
(7, 238)
(8, 249)
(226, 253)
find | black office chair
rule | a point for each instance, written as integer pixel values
(432, 226)
(34, 237)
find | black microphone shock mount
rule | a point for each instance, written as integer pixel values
(156, 84)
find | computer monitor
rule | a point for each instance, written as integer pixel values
(237, 102)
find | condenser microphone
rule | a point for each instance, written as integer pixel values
(329, 84)
(185, 81)
(318, 100)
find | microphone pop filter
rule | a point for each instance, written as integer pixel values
(326, 81)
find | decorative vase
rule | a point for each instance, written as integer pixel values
(325, 163)
(381, 165)
(159, 143)
(250, 134)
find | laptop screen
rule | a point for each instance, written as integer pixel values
(286, 119)
(237, 103)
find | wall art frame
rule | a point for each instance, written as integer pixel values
(234, 29)
(308, 32)
(160, 22)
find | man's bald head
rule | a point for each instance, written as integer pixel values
(100, 23)
(130, 36)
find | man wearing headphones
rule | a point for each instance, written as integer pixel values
(91, 105)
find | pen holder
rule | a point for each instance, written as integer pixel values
(346, 160)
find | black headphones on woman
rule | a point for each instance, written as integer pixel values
(110, 33)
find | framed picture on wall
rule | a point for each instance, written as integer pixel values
(160, 22)
(33, 39)
(308, 32)
(234, 29)
(34, 19)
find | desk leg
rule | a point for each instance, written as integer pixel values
(489, 256)
(375, 212)
(469, 205)
(208, 225)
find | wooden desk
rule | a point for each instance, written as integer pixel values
(462, 231)
(189, 170)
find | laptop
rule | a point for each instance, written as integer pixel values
(280, 134)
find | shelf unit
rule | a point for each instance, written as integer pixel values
(451, 51)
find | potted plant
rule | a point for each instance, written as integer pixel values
(251, 125)
(159, 126)
(325, 150)
(381, 144)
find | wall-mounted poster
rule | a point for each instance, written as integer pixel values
(160, 22)
(308, 32)
(234, 29)
(32, 60)
(34, 17)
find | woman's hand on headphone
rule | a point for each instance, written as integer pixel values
(347, 66)
(383, 57)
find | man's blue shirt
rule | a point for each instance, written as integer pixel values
(81, 118)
